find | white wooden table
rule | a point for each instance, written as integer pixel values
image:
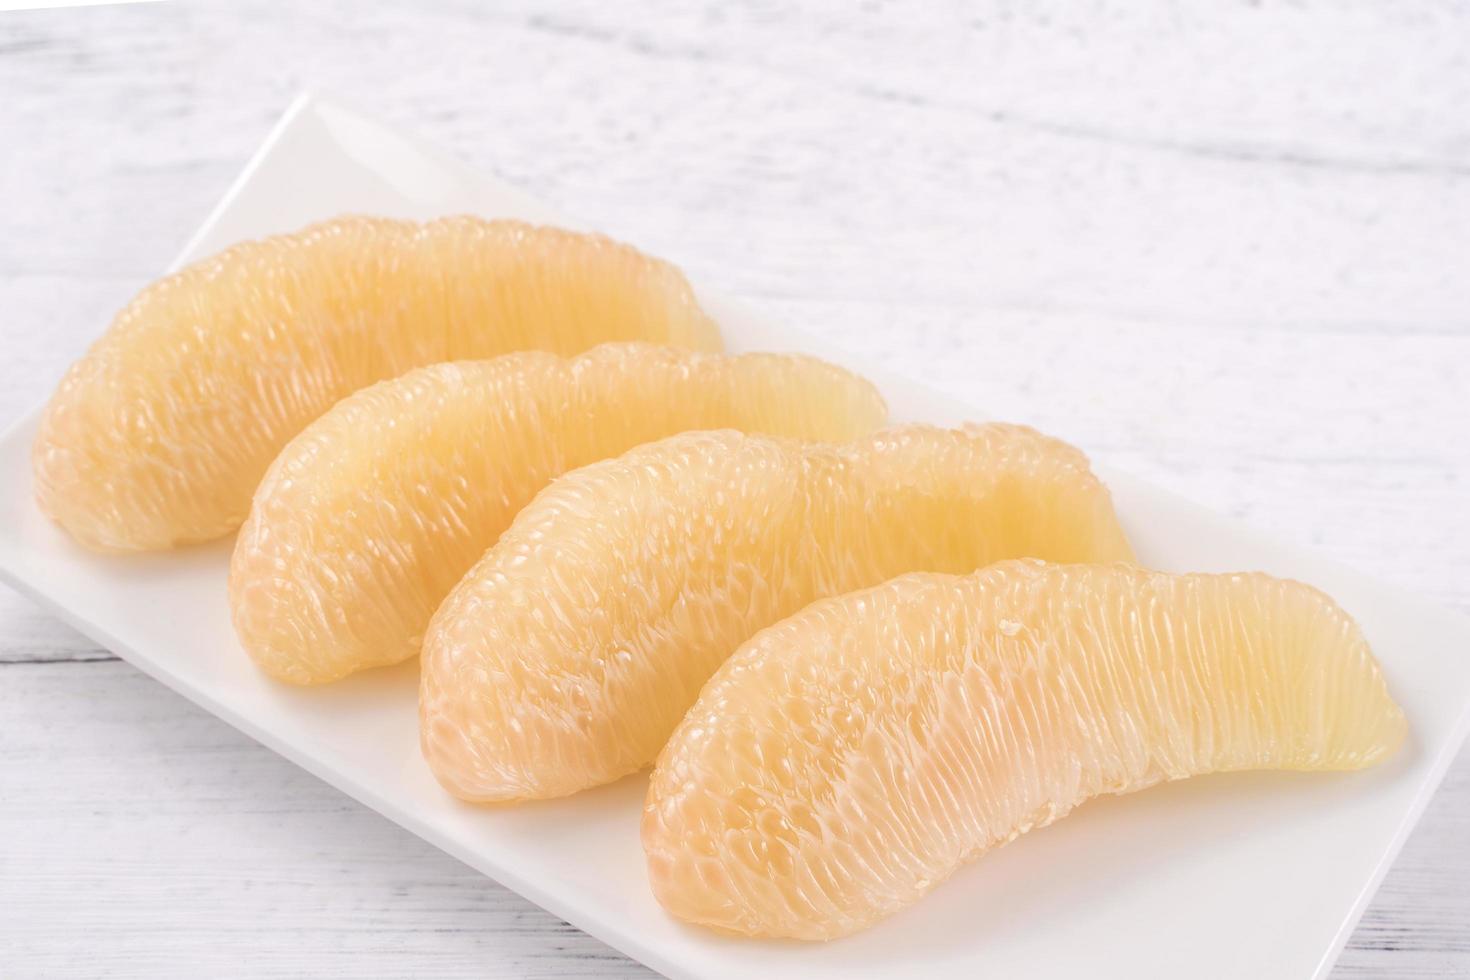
(1222, 246)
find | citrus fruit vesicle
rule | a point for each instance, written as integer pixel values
(569, 652)
(159, 434)
(847, 759)
(369, 516)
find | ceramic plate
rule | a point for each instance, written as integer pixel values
(1249, 875)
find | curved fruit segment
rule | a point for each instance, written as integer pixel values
(158, 436)
(369, 517)
(844, 761)
(567, 655)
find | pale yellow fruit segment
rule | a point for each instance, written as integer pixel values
(569, 652)
(370, 516)
(849, 758)
(160, 433)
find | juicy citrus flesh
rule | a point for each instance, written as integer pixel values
(570, 651)
(370, 516)
(159, 434)
(846, 760)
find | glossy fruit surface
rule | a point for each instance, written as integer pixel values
(160, 433)
(370, 516)
(849, 758)
(569, 652)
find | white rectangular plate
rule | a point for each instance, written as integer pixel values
(1249, 875)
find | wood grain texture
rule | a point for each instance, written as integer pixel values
(1219, 246)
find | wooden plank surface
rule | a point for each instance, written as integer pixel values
(1220, 246)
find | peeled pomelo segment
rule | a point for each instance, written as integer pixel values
(568, 653)
(847, 759)
(370, 516)
(160, 433)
